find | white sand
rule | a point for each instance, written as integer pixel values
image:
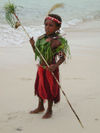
(80, 79)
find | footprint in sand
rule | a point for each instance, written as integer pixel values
(96, 119)
(78, 78)
(74, 78)
(19, 129)
(25, 78)
(12, 115)
(90, 97)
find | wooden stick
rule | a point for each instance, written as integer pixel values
(21, 25)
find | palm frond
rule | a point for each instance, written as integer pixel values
(10, 10)
(59, 5)
(10, 19)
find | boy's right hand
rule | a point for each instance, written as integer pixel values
(32, 42)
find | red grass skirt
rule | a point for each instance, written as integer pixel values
(46, 86)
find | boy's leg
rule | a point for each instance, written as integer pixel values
(48, 113)
(40, 107)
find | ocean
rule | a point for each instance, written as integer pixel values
(32, 13)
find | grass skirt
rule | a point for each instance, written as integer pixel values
(46, 86)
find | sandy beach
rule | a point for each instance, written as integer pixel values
(79, 77)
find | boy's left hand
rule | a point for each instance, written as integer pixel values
(52, 67)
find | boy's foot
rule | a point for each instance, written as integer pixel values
(38, 110)
(47, 115)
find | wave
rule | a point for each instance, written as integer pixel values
(12, 37)
(89, 17)
(17, 37)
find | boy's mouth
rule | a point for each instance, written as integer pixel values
(47, 32)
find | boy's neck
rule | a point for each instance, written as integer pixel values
(52, 35)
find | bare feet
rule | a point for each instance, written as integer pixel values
(38, 110)
(47, 115)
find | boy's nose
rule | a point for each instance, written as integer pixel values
(47, 26)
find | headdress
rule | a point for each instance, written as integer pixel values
(53, 19)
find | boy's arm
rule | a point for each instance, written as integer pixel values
(59, 62)
(62, 59)
(32, 42)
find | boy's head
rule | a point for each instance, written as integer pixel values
(55, 16)
(52, 23)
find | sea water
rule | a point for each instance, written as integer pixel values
(32, 13)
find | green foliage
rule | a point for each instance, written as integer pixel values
(65, 47)
(45, 49)
(10, 8)
(9, 13)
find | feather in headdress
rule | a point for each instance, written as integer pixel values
(55, 6)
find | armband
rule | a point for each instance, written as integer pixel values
(62, 54)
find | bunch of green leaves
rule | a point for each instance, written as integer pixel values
(9, 13)
(45, 49)
(64, 47)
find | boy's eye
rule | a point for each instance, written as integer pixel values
(49, 25)
(46, 24)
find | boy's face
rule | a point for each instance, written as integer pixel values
(50, 27)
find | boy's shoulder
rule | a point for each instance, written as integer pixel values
(41, 37)
(62, 38)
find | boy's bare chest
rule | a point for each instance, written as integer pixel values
(53, 42)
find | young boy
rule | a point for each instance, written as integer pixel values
(51, 45)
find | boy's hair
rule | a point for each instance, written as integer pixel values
(57, 17)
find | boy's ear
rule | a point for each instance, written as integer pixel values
(58, 27)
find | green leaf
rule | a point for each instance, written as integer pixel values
(9, 14)
(10, 8)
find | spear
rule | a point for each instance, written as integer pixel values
(11, 17)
